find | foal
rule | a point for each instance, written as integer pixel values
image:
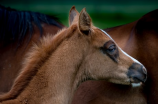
(57, 65)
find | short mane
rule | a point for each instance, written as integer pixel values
(35, 59)
(14, 24)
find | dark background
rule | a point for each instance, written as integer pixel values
(104, 13)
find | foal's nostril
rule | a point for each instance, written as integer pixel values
(137, 73)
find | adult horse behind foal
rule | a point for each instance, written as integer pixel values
(139, 39)
(56, 66)
(18, 30)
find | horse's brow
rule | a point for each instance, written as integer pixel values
(106, 33)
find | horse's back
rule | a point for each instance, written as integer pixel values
(147, 32)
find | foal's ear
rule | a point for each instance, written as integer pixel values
(73, 12)
(85, 22)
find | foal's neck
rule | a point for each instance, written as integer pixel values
(58, 78)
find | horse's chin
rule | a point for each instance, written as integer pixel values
(136, 84)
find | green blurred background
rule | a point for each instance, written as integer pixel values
(104, 13)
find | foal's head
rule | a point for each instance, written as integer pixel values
(104, 59)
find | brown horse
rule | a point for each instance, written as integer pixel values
(139, 39)
(18, 30)
(57, 65)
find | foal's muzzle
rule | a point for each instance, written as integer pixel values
(137, 73)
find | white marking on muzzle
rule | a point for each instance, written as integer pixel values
(136, 84)
(136, 61)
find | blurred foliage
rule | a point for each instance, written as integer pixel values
(104, 13)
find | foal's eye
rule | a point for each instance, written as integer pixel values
(109, 48)
(112, 48)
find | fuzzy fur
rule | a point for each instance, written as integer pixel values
(56, 66)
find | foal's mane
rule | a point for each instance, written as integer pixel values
(36, 58)
(14, 24)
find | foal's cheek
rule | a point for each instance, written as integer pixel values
(95, 65)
